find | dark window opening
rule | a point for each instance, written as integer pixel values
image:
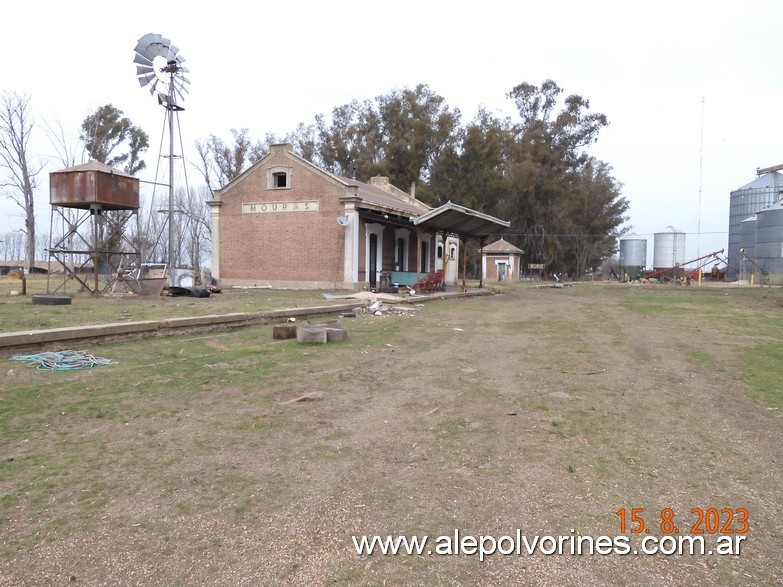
(424, 257)
(280, 180)
(440, 251)
(373, 260)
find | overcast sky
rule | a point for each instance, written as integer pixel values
(691, 88)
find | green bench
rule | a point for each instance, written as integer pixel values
(406, 278)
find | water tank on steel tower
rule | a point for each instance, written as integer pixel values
(633, 255)
(769, 243)
(668, 248)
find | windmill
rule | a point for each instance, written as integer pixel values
(159, 66)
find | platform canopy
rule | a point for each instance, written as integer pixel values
(454, 219)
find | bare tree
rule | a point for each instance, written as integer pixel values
(194, 227)
(42, 246)
(19, 182)
(12, 245)
(70, 151)
(221, 162)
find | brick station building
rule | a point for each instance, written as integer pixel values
(286, 223)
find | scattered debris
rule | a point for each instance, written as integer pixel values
(188, 292)
(251, 286)
(383, 297)
(215, 366)
(308, 397)
(560, 395)
(378, 308)
(584, 372)
(558, 285)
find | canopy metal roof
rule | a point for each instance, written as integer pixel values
(461, 221)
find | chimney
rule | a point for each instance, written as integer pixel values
(413, 190)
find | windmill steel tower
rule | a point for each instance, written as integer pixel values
(159, 66)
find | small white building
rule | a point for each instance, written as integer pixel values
(500, 261)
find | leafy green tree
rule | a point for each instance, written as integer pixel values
(113, 139)
(416, 127)
(470, 170)
(594, 212)
(304, 139)
(401, 135)
(343, 145)
(550, 173)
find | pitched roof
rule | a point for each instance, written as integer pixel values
(457, 219)
(378, 194)
(502, 246)
(95, 166)
(384, 195)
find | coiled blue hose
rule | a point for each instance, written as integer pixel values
(63, 360)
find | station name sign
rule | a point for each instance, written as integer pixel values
(279, 207)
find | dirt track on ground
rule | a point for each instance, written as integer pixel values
(540, 410)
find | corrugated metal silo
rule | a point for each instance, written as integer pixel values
(633, 250)
(747, 243)
(743, 203)
(633, 255)
(769, 243)
(668, 248)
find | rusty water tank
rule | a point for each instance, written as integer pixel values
(93, 185)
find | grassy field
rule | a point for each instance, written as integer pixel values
(190, 461)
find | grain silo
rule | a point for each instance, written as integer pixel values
(633, 255)
(745, 202)
(769, 244)
(747, 245)
(668, 248)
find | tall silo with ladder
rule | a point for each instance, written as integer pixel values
(747, 249)
(668, 248)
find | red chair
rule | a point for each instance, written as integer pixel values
(430, 283)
